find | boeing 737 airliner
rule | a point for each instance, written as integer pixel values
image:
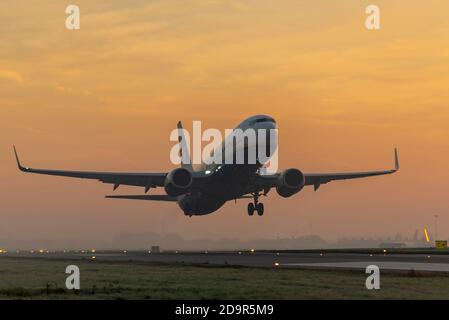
(200, 192)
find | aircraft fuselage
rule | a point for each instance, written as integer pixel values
(228, 181)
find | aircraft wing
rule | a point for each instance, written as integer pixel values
(147, 180)
(317, 179)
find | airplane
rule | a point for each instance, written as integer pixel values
(204, 191)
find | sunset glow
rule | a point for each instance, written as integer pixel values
(107, 96)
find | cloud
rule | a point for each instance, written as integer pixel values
(12, 76)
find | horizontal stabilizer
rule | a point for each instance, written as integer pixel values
(154, 197)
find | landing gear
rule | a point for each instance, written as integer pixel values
(259, 209)
(251, 209)
(256, 206)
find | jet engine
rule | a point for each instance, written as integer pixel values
(178, 181)
(289, 182)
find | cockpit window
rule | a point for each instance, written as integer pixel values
(264, 120)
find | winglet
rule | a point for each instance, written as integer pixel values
(21, 168)
(396, 159)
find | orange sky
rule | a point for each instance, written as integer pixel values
(107, 96)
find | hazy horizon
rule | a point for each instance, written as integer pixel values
(172, 241)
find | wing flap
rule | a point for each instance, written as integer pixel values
(317, 179)
(151, 197)
(116, 178)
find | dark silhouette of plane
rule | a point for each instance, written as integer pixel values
(200, 192)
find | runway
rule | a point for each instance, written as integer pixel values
(383, 265)
(320, 259)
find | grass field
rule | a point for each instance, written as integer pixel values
(45, 279)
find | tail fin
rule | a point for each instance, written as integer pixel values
(396, 159)
(186, 160)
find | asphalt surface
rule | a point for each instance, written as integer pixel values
(332, 260)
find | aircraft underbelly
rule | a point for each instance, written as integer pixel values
(230, 182)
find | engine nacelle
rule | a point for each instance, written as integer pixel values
(178, 181)
(290, 181)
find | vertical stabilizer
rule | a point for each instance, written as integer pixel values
(186, 160)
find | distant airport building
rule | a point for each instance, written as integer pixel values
(155, 249)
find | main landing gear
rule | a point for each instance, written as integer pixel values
(256, 206)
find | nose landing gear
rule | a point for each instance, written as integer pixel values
(256, 206)
(260, 209)
(251, 209)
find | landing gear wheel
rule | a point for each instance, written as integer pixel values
(260, 209)
(251, 209)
